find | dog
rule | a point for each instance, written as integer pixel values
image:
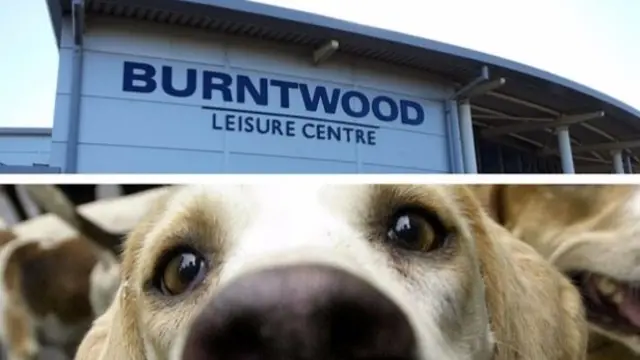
(313, 271)
(592, 234)
(55, 277)
(77, 194)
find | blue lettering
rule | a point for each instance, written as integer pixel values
(288, 128)
(250, 125)
(214, 123)
(311, 102)
(262, 129)
(405, 106)
(305, 128)
(321, 132)
(291, 128)
(346, 104)
(285, 87)
(360, 136)
(347, 132)
(135, 71)
(223, 83)
(167, 82)
(244, 86)
(140, 77)
(229, 122)
(334, 133)
(277, 128)
(376, 107)
(371, 137)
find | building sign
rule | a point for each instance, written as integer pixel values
(277, 107)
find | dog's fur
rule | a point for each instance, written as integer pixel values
(592, 229)
(485, 296)
(54, 281)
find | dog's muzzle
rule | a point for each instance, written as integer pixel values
(300, 312)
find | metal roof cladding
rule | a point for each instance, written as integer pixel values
(528, 95)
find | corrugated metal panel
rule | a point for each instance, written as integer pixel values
(456, 69)
(104, 7)
(438, 64)
(425, 62)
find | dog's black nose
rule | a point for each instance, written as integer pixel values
(300, 312)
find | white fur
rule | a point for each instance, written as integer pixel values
(247, 228)
(117, 215)
(314, 225)
(104, 282)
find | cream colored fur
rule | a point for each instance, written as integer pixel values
(118, 215)
(593, 228)
(495, 299)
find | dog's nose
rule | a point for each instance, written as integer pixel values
(300, 312)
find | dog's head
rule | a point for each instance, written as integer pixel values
(318, 272)
(592, 234)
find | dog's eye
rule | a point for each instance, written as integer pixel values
(183, 271)
(416, 230)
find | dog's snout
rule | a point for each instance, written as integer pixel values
(300, 312)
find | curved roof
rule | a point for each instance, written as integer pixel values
(529, 94)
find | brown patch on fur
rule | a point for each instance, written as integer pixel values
(6, 236)
(55, 280)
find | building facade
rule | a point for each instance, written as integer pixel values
(226, 86)
(25, 146)
(160, 98)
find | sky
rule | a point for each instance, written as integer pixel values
(593, 42)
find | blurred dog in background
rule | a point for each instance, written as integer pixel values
(592, 234)
(21, 207)
(60, 270)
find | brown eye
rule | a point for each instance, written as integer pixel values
(416, 231)
(182, 273)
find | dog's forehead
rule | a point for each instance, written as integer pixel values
(254, 198)
(250, 199)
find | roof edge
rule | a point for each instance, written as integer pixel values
(394, 36)
(291, 15)
(55, 16)
(25, 131)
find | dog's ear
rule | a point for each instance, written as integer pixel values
(491, 198)
(535, 312)
(53, 200)
(115, 334)
(94, 341)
